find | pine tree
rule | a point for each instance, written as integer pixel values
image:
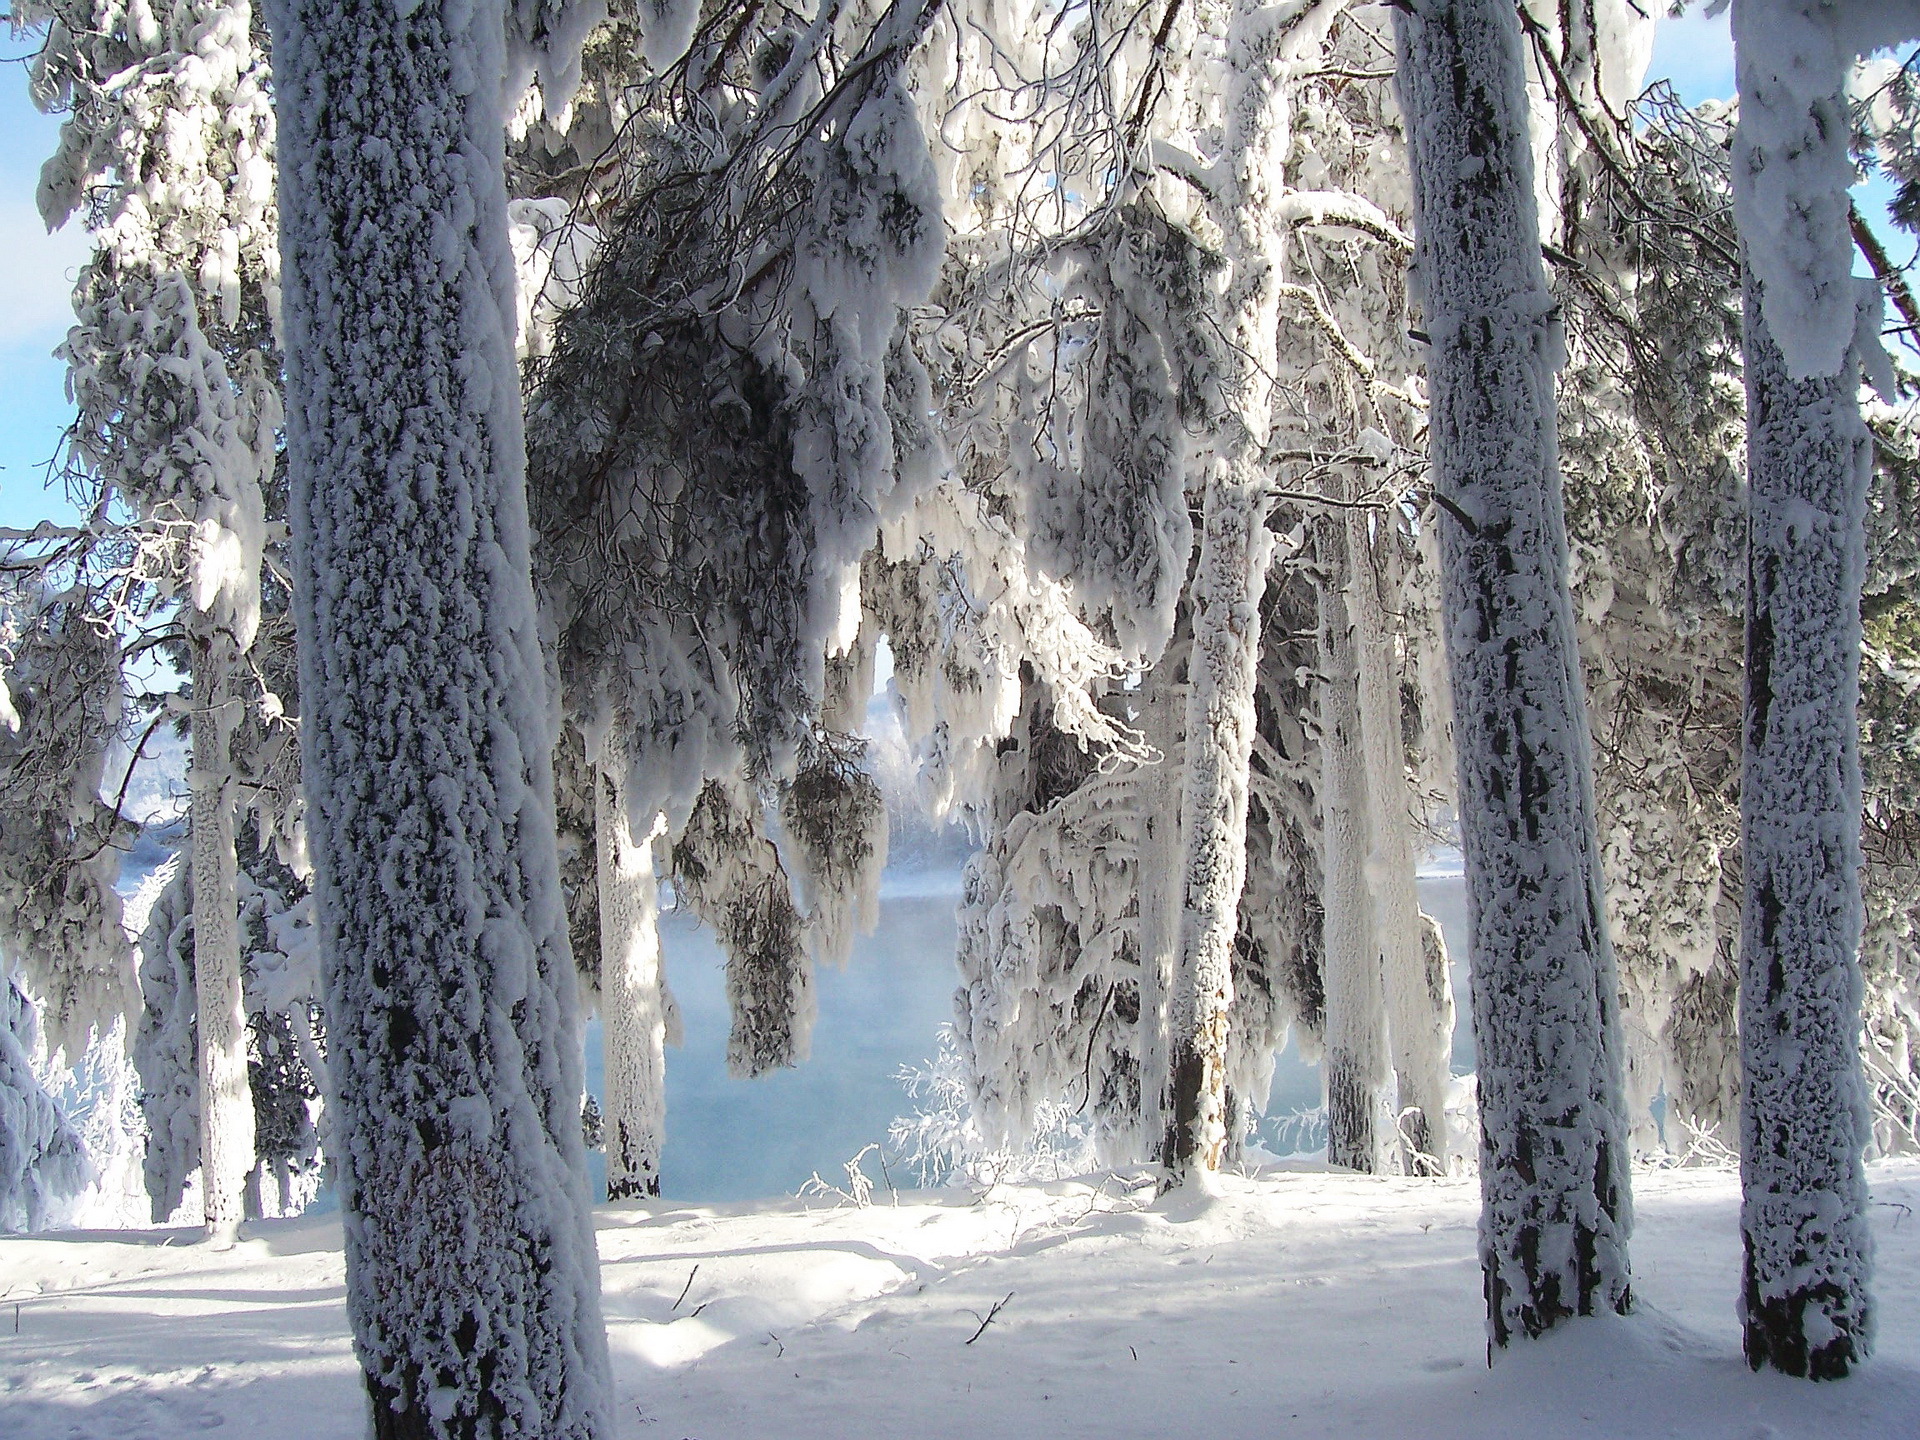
(169, 144)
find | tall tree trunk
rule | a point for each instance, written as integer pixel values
(1803, 1102)
(472, 1283)
(633, 1020)
(1555, 1204)
(1419, 999)
(1358, 1133)
(226, 1102)
(1235, 548)
(1158, 868)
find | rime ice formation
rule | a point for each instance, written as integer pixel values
(471, 1281)
(1553, 1150)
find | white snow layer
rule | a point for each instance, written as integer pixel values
(1299, 1304)
(1792, 166)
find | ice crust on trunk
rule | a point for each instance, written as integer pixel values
(472, 1284)
(1263, 47)
(1418, 993)
(226, 1107)
(1804, 1117)
(1804, 1121)
(633, 995)
(1359, 1131)
(1556, 1209)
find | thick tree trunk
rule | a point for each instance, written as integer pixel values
(1556, 1210)
(1803, 1105)
(472, 1284)
(1419, 1001)
(633, 1020)
(220, 1030)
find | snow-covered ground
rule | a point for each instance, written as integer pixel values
(1297, 1303)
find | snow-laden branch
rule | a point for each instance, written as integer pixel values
(1341, 210)
(1308, 298)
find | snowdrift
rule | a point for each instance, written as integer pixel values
(1294, 1302)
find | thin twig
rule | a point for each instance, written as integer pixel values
(998, 1306)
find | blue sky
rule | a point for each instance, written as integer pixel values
(1696, 54)
(36, 277)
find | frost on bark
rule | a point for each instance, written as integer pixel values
(1235, 548)
(1418, 997)
(1162, 703)
(455, 1054)
(1555, 1205)
(1808, 327)
(226, 1107)
(1803, 1105)
(1359, 1135)
(632, 994)
(1279, 976)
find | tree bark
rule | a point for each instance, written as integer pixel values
(220, 1030)
(1359, 1135)
(1803, 1105)
(1158, 866)
(1235, 548)
(472, 1284)
(633, 1020)
(1555, 1204)
(1419, 1000)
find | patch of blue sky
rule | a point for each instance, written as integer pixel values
(37, 272)
(1694, 54)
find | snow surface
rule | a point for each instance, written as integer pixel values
(1297, 1303)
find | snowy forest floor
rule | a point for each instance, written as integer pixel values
(1298, 1302)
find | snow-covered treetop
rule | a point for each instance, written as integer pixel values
(167, 148)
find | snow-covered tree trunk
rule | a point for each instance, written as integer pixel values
(1804, 1118)
(1419, 1011)
(1359, 1135)
(1264, 44)
(226, 1102)
(1803, 1104)
(1555, 1204)
(1157, 871)
(633, 1021)
(472, 1284)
